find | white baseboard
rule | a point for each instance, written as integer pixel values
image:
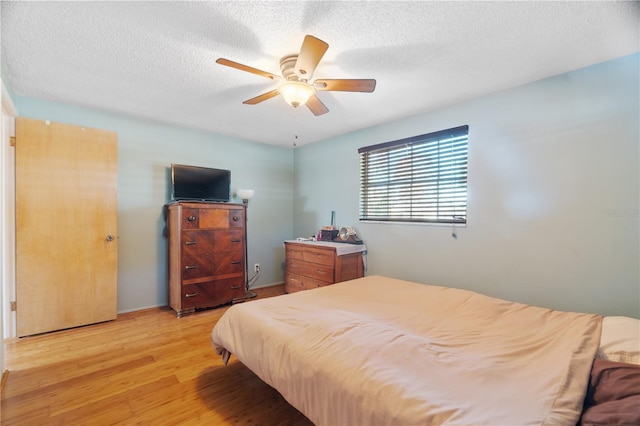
(142, 308)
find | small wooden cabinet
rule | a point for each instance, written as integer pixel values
(310, 265)
(206, 254)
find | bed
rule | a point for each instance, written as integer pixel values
(377, 350)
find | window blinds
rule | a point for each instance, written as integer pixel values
(417, 179)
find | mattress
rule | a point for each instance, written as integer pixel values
(378, 350)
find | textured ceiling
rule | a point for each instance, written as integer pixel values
(156, 60)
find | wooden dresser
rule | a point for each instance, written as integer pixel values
(206, 254)
(309, 265)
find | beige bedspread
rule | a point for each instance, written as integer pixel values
(382, 351)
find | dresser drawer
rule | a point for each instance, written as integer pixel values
(310, 270)
(190, 218)
(236, 218)
(208, 218)
(212, 241)
(200, 267)
(295, 282)
(311, 254)
(211, 293)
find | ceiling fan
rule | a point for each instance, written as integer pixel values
(297, 88)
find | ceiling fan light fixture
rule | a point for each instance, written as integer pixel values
(296, 93)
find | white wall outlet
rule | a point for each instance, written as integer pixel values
(256, 268)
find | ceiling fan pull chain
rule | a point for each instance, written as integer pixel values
(295, 127)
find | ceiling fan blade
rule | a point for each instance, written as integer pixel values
(261, 98)
(362, 85)
(311, 52)
(247, 68)
(316, 106)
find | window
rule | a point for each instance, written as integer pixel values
(418, 179)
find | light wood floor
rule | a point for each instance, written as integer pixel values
(146, 367)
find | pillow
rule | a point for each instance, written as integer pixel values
(613, 395)
(620, 340)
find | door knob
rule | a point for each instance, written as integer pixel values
(109, 238)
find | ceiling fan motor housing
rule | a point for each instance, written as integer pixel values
(287, 66)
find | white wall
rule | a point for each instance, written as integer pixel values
(553, 194)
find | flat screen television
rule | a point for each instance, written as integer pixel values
(193, 183)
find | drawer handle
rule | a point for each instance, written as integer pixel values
(191, 218)
(190, 267)
(191, 243)
(236, 240)
(190, 294)
(235, 287)
(235, 262)
(321, 271)
(236, 218)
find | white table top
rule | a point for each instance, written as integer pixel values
(341, 248)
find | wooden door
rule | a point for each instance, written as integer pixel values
(66, 226)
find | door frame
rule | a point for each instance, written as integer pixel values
(7, 222)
